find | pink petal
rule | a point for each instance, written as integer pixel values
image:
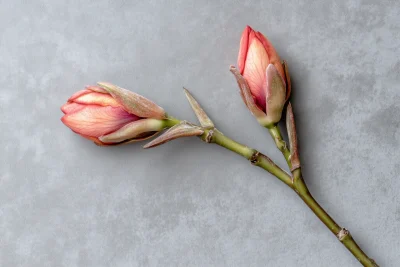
(248, 97)
(96, 89)
(95, 121)
(78, 94)
(272, 54)
(94, 98)
(244, 44)
(71, 107)
(254, 72)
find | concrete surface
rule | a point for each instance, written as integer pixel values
(66, 202)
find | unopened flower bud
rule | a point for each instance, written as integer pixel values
(267, 78)
(110, 115)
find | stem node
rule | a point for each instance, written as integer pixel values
(299, 186)
(254, 158)
(343, 233)
(209, 136)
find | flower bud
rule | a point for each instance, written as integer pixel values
(110, 115)
(267, 78)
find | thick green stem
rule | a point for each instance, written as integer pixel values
(301, 189)
(341, 233)
(296, 183)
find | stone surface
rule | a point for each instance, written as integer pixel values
(66, 202)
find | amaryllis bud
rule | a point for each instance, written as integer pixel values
(261, 67)
(112, 116)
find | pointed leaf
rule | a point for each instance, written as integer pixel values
(202, 116)
(183, 129)
(291, 128)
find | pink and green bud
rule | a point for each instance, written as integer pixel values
(267, 78)
(110, 115)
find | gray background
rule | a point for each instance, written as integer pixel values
(66, 202)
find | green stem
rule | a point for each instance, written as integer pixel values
(301, 189)
(170, 121)
(280, 143)
(255, 157)
(341, 233)
(296, 183)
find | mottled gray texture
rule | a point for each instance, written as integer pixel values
(66, 202)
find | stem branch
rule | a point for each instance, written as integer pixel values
(301, 189)
(295, 182)
(255, 157)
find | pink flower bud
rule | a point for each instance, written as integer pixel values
(261, 67)
(110, 118)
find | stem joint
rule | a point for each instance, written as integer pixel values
(209, 136)
(254, 159)
(343, 234)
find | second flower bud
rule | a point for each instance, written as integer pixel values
(266, 78)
